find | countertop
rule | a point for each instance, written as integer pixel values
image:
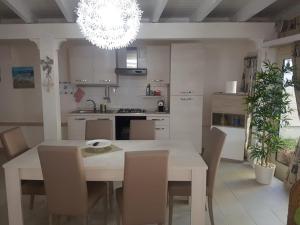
(114, 113)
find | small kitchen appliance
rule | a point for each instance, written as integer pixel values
(161, 105)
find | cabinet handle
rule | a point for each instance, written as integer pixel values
(157, 119)
(105, 81)
(159, 128)
(186, 92)
(102, 119)
(186, 99)
(79, 118)
(157, 80)
(81, 80)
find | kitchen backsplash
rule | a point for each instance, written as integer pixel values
(130, 94)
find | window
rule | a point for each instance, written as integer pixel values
(292, 131)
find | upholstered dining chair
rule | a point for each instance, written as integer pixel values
(99, 129)
(212, 158)
(68, 192)
(15, 144)
(294, 203)
(142, 130)
(143, 198)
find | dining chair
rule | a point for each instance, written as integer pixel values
(14, 145)
(68, 192)
(143, 198)
(99, 129)
(212, 158)
(142, 130)
(294, 203)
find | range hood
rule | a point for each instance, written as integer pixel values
(128, 62)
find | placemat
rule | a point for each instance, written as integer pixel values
(87, 152)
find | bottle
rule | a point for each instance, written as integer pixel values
(148, 90)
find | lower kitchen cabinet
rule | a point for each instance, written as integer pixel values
(76, 125)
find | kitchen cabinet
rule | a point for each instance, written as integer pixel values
(187, 63)
(158, 64)
(76, 125)
(81, 64)
(104, 66)
(90, 65)
(229, 115)
(162, 127)
(186, 119)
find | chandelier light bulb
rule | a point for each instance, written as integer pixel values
(109, 24)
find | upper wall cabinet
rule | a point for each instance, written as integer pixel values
(90, 65)
(81, 64)
(187, 63)
(158, 64)
(104, 66)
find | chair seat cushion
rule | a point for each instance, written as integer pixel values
(33, 187)
(179, 188)
(96, 190)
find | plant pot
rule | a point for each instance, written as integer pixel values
(264, 175)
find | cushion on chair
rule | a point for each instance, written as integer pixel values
(179, 188)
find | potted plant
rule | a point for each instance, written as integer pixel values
(269, 109)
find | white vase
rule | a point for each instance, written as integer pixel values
(264, 175)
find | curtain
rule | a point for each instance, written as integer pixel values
(294, 167)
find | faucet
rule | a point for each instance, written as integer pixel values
(94, 104)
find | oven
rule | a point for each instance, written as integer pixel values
(122, 124)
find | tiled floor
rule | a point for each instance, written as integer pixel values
(239, 200)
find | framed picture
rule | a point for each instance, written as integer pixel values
(23, 77)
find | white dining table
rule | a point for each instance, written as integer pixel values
(185, 164)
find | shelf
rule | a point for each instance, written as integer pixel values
(282, 41)
(151, 96)
(228, 120)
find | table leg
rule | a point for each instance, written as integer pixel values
(198, 196)
(14, 196)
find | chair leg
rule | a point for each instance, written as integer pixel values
(210, 209)
(50, 219)
(105, 205)
(85, 220)
(31, 202)
(170, 208)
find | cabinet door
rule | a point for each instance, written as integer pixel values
(81, 64)
(186, 119)
(162, 132)
(158, 64)
(187, 63)
(104, 66)
(76, 128)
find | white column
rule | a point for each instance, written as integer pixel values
(48, 47)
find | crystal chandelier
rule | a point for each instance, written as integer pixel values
(109, 24)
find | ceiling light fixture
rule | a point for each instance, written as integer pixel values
(109, 24)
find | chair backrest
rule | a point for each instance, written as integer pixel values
(142, 130)
(64, 178)
(145, 187)
(13, 142)
(212, 157)
(294, 203)
(99, 129)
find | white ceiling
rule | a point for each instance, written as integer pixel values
(35, 11)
